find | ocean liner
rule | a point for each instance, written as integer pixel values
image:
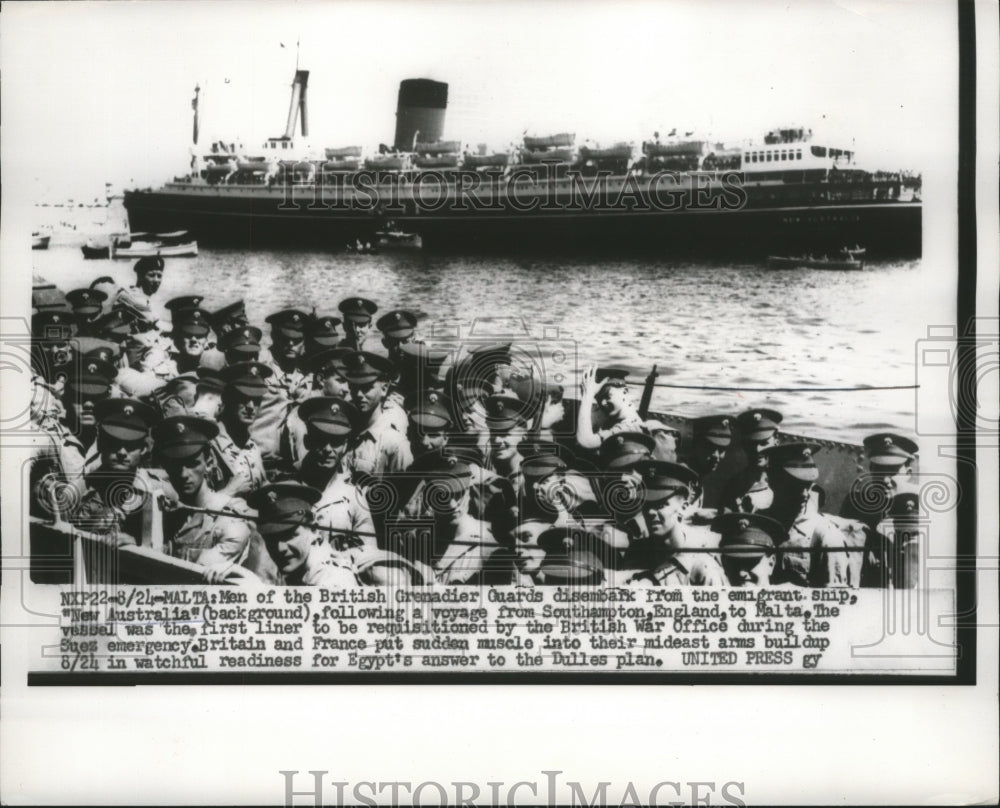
(675, 194)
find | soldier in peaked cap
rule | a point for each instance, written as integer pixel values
(463, 545)
(241, 344)
(89, 381)
(747, 547)
(326, 369)
(805, 558)
(52, 349)
(623, 450)
(88, 307)
(748, 490)
(547, 397)
(573, 557)
(467, 391)
(507, 420)
(288, 385)
(329, 422)
(901, 551)
(229, 318)
(419, 368)
(192, 531)
(119, 488)
(286, 523)
(604, 392)
(183, 303)
(321, 334)
(430, 413)
(891, 459)
(558, 486)
(190, 333)
(711, 438)
(209, 387)
(358, 313)
(528, 555)
(398, 328)
(659, 558)
(239, 466)
(493, 363)
(380, 445)
(342, 509)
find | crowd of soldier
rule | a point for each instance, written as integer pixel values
(336, 457)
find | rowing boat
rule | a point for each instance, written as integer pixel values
(806, 262)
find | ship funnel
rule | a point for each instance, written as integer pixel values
(297, 104)
(420, 109)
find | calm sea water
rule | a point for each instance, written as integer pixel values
(711, 324)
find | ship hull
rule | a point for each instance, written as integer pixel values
(265, 217)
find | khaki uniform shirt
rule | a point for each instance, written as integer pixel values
(466, 556)
(378, 449)
(284, 391)
(238, 470)
(341, 510)
(209, 539)
(816, 560)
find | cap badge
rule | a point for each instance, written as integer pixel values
(620, 440)
(327, 323)
(272, 497)
(888, 441)
(399, 316)
(743, 524)
(128, 409)
(92, 368)
(295, 318)
(724, 422)
(360, 304)
(451, 460)
(56, 318)
(432, 398)
(181, 429)
(254, 370)
(756, 416)
(911, 505)
(806, 454)
(335, 409)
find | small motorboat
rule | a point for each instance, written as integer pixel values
(92, 251)
(39, 242)
(397, 239)
(152, 249)
(811, 262)
(853, 252)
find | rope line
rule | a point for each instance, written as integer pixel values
(777, 389)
